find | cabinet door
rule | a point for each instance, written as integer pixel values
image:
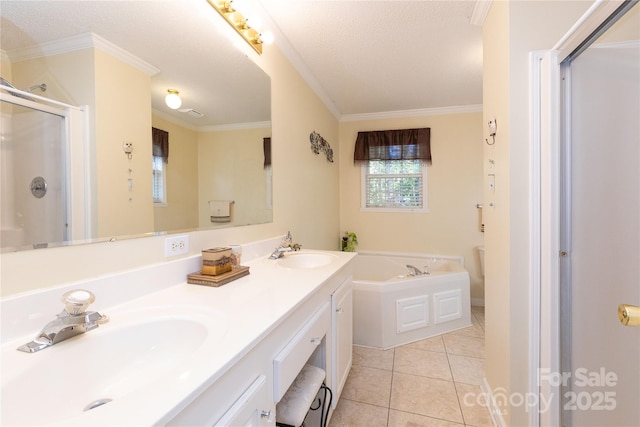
(342, 337)
(252, 409)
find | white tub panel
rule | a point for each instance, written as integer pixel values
(412, 313)
(447, 306)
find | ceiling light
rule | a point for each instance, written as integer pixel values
(173, 99)
(234, 13)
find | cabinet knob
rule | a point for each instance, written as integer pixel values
(265, 414)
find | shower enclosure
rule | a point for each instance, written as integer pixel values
(36, 203)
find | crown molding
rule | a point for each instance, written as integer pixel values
(296, 61)
(480, 11)
(80, 42)
(211, 128)
(477, 108)
(235, 126)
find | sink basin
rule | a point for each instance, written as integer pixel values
(103, 365)
(305, 260)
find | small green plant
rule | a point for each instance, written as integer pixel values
(349, 241)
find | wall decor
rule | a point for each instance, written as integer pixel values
(319, 144)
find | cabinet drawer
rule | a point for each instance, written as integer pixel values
(289, 362)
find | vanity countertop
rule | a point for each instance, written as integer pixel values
(225, 323)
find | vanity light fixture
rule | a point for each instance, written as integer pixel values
(233, 11)
(172, 99)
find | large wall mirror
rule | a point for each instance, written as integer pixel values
(74, 175)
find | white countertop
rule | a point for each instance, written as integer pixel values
(245, 311)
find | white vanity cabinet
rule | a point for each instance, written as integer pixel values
(252, 409)
(317, 331)
(342, 337)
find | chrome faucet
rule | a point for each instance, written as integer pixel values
(415, 271)
(73, 320)
(284, 246)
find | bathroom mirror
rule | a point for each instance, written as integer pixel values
(216, 136)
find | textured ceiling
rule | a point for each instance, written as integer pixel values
(362, 57)
(179, 37)
(382, 56)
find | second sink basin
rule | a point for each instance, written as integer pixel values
(103, 365)
(306, 260)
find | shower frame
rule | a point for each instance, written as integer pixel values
(75, 161)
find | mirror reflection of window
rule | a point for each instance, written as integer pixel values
(160, 152)
(159, 181)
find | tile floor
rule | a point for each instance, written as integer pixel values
(432, 383)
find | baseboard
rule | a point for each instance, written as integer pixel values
(477, 302)
(492, 405)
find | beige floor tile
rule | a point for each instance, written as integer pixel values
(468, 370)
(357, 414)
(373, 358)
(429, 344)
(425, 396)
(478, 314)
(368, 385)
(475, 330)
(424, 363)
(473, 406)
(464, 345)
(406, 419)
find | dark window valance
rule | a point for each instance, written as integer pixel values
(266, 145)
(401, 144)
(160, 143)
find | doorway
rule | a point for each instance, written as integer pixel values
(600, 268)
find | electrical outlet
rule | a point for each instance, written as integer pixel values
(176, 245)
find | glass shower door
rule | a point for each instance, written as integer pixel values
(32, 165)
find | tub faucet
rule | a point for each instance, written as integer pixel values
(415, 271)
(71, 321)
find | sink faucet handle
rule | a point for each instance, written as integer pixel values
(76, 301)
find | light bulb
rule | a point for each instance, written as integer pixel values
(267, 37)
(240, 6)
(172, 99)
(255, 22)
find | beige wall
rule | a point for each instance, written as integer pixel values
(511, 31)
(305, 196)
(305, 185)
(181, 209)
(231, 167)
(452, 225)
(119, 110)
(122, 113)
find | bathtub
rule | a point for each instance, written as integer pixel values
(392, 308)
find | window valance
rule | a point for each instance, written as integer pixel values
(401, 144)
(160, 144)
(266, 146)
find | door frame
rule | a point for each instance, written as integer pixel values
(550, 169)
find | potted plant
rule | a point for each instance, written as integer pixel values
(349, 241)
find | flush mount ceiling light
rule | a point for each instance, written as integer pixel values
(234, 12)
(172, 99)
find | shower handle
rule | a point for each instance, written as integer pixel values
(38, 187)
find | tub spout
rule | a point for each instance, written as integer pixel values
(415, 271)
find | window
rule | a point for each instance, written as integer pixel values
(394, 169)
(159, 180)
(160, 153)
(394, 186)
